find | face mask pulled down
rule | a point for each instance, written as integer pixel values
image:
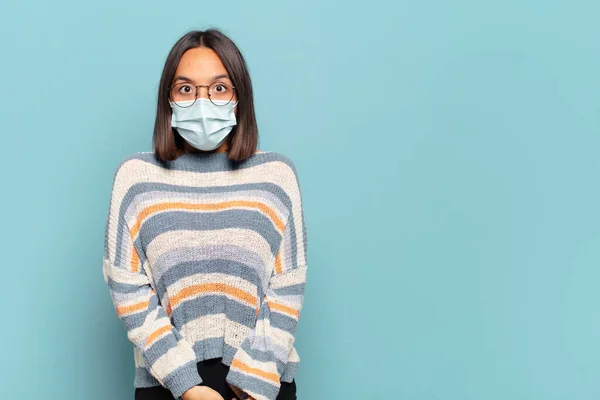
(203, 125)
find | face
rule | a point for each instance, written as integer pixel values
(202, 66)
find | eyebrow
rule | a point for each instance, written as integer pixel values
(186, 79)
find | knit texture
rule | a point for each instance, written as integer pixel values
(205, 257)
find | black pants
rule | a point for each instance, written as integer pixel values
(213, 373)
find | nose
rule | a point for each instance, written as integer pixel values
(202, 92)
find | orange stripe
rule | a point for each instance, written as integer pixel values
(284, 309)
(134, 307)
(211, 287)
(146, 212)
(157, 333)
(278, 262)
(135, 260)
(255, 371)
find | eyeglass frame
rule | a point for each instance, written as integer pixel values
(197, 91)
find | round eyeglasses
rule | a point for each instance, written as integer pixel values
(219, 93)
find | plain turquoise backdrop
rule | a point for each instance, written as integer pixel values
(448, 154)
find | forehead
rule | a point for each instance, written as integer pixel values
(200, 64)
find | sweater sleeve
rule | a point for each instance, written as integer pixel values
(166, 354)
(259, 362)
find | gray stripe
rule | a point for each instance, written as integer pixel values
(209, 348)
(183, 270)
(141, 250)
(182, 378)
(123, 230)
(290, 371)
(303, 235)
(122, 236)
(131, 297)
(283, 322)
(265, 348)
(143, 378)
(150, 196)
(274, 191)
(297, 289)
(119, 287)
(288, 239)
(212, 162)
(252, 384)
(136, 320)
(212, 304)
(260, 354)
(276, 354)
(185, 261)
(233, 218)
(159, 348)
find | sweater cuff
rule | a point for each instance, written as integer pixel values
(183, 379)
(250, 385)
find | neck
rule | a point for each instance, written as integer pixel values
(188, 148)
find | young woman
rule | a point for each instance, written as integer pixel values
(205, 242)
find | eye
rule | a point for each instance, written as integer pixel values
(220, 88)
(185, 89)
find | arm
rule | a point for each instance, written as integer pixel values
(167, 356)
(258, 364)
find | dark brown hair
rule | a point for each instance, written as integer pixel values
(242, 142)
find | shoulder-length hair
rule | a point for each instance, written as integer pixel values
(243, 138)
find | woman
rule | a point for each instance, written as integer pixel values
(205, 245)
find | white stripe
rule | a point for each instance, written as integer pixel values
(163, 334)
(138, 358)
(175, 357)
(294, 357)
(122, 275)
(215, 326)
(138, 335)
(280, 337)
(289, 278)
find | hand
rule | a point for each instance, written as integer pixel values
(239, 393)
(201, 393)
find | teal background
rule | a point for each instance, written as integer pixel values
(448, 158)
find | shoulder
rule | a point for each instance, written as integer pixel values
(283, 172)
(279, 160)
(130, 166)
(138, 155)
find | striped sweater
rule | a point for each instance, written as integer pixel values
(206, 258)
